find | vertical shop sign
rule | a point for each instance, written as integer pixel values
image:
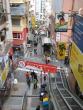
(78, 32)
(61, 50)
(61, 22)
(33, 21)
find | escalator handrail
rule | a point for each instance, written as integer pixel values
(70, 92)
(24, 104)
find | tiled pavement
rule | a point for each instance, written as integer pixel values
(14, 102)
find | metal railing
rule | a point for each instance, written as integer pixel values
(64, 97)
(24, 105)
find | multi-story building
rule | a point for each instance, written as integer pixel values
(37, 9)
(19, 25)
(5, 45)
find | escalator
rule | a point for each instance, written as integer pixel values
(62, 96)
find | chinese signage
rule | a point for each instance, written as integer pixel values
(76, 62)
(4, 67)
(78, 32)
(33, 21)
(58, 37)
(45, 67)
(61, 22)
(61, 50)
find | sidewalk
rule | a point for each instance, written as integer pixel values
(14, 102)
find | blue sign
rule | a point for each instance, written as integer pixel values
(78, 32)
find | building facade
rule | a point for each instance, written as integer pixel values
(73, 40)
(5, 45)
(19, 25)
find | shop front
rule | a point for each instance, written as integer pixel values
(18, 47)
(47, 46)
(76, 64)
(5, 78)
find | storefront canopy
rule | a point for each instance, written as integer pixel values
(33, 66)
(46, 40)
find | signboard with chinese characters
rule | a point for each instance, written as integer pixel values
(78, 32)
(4, 68)
(45, 67)
(61, 50)
(61, 22)
(76, 63)
(33, 21)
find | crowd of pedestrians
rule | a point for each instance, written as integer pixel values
(31, 77)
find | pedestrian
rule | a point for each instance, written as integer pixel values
(44, 77)
(38, 107)
(32, 75)
(28, 80)
(35, 83)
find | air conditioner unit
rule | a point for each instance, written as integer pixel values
(81, 11)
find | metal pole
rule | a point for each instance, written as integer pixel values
(41, 77)
(49, 89)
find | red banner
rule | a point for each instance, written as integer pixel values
(44, 67)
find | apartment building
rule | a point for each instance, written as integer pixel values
(5, 46)
(19, 25)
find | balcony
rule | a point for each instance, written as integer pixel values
(4, 47)
(8, 45)
(17, 28)
(1, 47)
(18, 10)
(17, 1)
(3, 18)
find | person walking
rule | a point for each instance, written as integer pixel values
(35, 83)
(44, 77)
(28, 79)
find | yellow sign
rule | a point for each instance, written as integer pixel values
(5, 72)
(33, 21)
(76, 62)
(61, 50)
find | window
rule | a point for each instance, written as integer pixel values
(16, 35)
(14, 5)
(16, 22)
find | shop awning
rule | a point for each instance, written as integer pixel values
(46, 40)
(33, 66)
(17, 42)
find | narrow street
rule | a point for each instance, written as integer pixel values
(32, 95)
(41, 55)
(15, 100)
